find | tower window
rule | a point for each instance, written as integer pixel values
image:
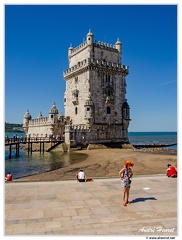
(108, 110)
(76, 110)
(88, 109)
(107, 78)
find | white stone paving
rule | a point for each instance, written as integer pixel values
(92, 208)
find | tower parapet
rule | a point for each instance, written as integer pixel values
(81, 47)
(97, 63)
(39, 121)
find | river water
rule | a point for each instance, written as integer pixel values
(27, 164)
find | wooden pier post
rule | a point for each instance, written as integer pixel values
(30, 147)
(10, 151)
(17, 149)
(41, 147)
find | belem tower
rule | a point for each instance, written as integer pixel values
(96, 109)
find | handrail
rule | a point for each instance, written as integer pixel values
(32, 139)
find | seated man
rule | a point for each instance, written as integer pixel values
(171, 171)
(81, 177)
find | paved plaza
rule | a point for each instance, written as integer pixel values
(92, 208)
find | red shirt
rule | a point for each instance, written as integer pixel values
(171, 172)
(9, 177)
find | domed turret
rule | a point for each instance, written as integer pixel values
(27, 115)
(26, 119)
(53, 114)
(118, 45)
(90, 38)
(40, 115)
(70, 51)
(53, 109)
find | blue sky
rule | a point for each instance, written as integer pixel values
(37, 38)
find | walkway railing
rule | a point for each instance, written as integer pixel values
(16, 143)
(32, 139)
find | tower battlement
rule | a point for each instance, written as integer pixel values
(39, 121)
(74, 51)
(105, 45)
(97, 63)
(100, 44)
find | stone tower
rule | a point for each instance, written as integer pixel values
(95, 105)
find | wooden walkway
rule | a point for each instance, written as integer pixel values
(17, 143)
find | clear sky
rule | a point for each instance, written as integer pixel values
(37, 38)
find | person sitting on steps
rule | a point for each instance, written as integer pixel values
(9, 177)
(171, 171)
(81, 177)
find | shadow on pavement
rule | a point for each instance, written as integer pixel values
(142, 199)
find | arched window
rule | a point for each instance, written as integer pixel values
(108, 110)
(76, 110)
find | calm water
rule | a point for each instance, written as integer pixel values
(152, 137)
(25, 164)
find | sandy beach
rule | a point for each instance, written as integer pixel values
(102, 163)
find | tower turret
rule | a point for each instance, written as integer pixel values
(125, 114)
(89, 110)
(90, 38)
(53, 114)
(26, 119)
(70, 52)
(40, 115)
(118, 45)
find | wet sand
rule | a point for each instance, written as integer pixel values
(104, 163)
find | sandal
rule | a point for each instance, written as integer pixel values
(128, 202)
(124, 204)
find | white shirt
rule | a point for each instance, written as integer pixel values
(81, 175)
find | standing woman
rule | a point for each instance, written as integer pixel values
(125, 175)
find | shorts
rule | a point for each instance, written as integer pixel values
(81, 180)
